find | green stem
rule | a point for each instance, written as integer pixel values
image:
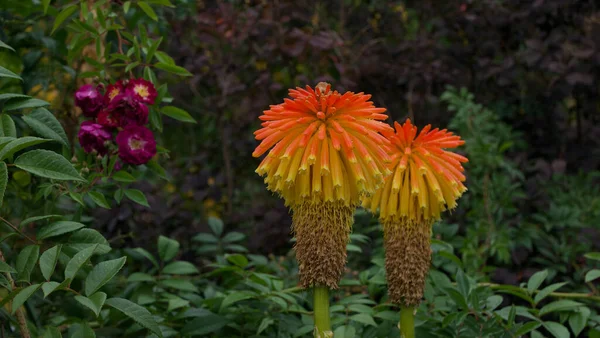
(321, 310)
(407, 322)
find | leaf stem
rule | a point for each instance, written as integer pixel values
(17, 230)
(19, 313)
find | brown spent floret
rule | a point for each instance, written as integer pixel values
(322, 231)
(407, 259)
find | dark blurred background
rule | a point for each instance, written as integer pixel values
(534, 63)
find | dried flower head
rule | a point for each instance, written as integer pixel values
(325, 146)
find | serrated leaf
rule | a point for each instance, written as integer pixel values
(48, 261)
(177, 303)
(24, 104)
(46, 125)
(23, 296)
(19, 144)
(8, 96)
(144, 253)
(93, 302)
(58, 228)
(102, 273)
(47, 164)
(99, 199)
(180, 268)
(557, 330)
(51, 331)
(526, 328)
(62, 16)
(179, 284)
(578, 320)
(148, 10)
(35, 219)
(536, 280)
(177, 113)
(204, 324)
(7, 73)
(140, 277)
(137, 196)
(167, 248)
(84, 238)
(135, 312)
(50, 287)
(8, 126)
(78, 261)
(26, 261)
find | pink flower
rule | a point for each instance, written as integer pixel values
(93, 136)
(136, 145)
(113, 90)
(89, 99)
(107, 119)
(143, 90)
(128, 110)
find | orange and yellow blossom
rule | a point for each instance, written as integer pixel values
(325, 151)
(426, 180)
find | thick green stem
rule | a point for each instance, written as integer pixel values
(321, 312)
(407, 322)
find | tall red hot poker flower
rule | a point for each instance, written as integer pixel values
(325, 151)
(426, 180)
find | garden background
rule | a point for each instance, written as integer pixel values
(517, 80)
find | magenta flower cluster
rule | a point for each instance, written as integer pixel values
(122, 107)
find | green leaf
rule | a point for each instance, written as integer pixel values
(235, 297)
(144, 253)
(164, 58)
(458, 298)
(205, 238)
(45, 5)
(135, 312)
(62, 16)
(206, 323)
(48, 261)
(3, 180)
(167, 248)
(78, 261)
(237, 259)
(8, 126)
(51, 331)
(148, 10)
(536, 280)
(102, 273)
(123, 176)
(137, 196)
(8, 96)
(47, 164)
(360, 308)
(140, 277)
(177, 114)
(46, 125)
(23, 295)
(593, 255)
(7, 73)
(99, 199)
(35, 219)
(526, 328)
(4, 45)
(364, 318)
(161, 2)
(233, 237)
(578, 320)
(58, 228)
(81, 330)
(589, 276)
(6, 268)
(50, 287)
(559, 305)
(19, 144)
(93, 302)
(493, 302)
(26, 261)
(264, 324)
(85, 238)
(23, 104)
(180, 268)
(177, 303)
(557, 330)
(548, 290)
(179, 284)
(216, 225)
(172, 68)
